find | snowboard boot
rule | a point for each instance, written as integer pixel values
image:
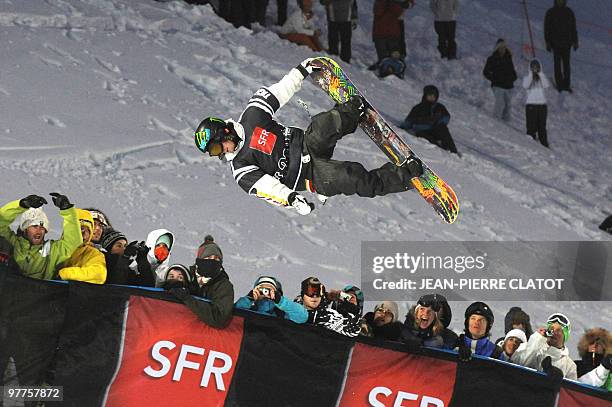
(351, 113)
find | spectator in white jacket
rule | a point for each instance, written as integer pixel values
(549, 341)
(535, 82)
(300, 27)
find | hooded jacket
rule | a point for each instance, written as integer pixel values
(560, 26)
(40, 261)
(537, 349)
(426, 115)
(285, 308)
(159, 269)
(499, 70)
(535, 89)
(87, 263)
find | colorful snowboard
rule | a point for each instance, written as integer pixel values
(332, 79)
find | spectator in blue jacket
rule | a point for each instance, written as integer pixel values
(267, 298)
(429, 119)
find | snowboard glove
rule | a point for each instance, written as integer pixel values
(414, 166)
(607, 361)
(32, 201)
(306, 67)
(465, 353)
(61, 201)
(300, 203)
(180, 293)
(134, 249)
(555, 375)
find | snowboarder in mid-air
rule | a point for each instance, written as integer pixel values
(274, 162)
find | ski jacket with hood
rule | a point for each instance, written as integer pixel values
(537, 349)
(40, 261)
(268, 162)
(159, 269)
(87, 263)
(426, 115)
(499, 70)
(535, 89)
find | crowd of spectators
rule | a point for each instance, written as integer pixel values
(91, 250)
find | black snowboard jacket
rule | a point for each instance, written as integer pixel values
(560, 27)
(500, 70)
(269, 162)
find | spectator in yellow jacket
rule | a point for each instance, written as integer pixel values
(36, 256)
(86, 263)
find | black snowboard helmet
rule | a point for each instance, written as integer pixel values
(211, 133)
(479, 308)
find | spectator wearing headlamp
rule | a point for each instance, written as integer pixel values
(549, 341)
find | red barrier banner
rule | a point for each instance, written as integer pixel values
(570, 398)
(380, 377)
(169, 357)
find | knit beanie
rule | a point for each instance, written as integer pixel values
(110, 237)
(34, 217)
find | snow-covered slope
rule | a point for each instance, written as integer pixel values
(99, 98)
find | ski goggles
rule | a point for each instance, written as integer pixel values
(429, 301)
(558, 318)
(314, 291)
(205, 144)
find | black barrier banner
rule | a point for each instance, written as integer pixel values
(116, 346)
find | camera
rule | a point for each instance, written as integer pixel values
(266, 292)
(549, 333)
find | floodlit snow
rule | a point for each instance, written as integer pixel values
(99, 99)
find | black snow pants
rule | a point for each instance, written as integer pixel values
(332, 177)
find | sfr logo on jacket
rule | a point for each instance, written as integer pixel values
(263, 140)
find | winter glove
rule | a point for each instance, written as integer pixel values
(555, 375)
(465, 353)
(61, 201)
(607, 362)
(179, 292)
(300, 203)
(32, 201)
(306, 67)
(134, 248)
